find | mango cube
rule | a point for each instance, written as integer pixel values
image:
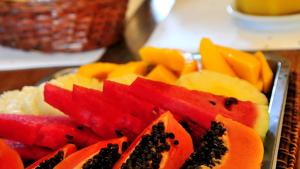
(266, 72)
(162, 74)
(98, 70)
(211, 58)
(245, 65)
(135, 67)
(170, 58)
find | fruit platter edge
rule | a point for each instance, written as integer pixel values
(277, 99)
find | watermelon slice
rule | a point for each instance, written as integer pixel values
(197, 108)
(106, 115)
(120, 96)
(90, 108)
(46, 131)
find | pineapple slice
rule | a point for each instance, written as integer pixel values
(69, 80)
(125, 79)
(30, 99)
(225, 85)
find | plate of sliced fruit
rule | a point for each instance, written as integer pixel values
(164, 111)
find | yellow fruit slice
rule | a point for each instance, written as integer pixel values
(190, 67)
(98, 70)
(221, 84)
(138, 68)
(170, 58)
(268, 7)
(162, 74)
(69, 80)
(30, 100)
(126, 79)
(211, 58)
(245, 65)
(266, 72)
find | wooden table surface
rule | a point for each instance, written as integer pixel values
(136, 33)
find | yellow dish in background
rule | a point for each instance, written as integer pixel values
(268, 7)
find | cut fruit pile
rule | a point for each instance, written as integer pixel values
(252, 68)
(200, 125)
(161, 112)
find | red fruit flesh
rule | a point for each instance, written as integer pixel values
(106, 118)
(121, 97)
(198, 109)
(198, 119)
(45, 131)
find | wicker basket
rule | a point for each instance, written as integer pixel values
(61, 25)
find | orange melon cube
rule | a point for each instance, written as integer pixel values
(266, 72)
(135, 67)
(259, 84)
(162, 74)
(98, 70)
(190, 67)
(245, 65)
(211, 58)
(170, 58)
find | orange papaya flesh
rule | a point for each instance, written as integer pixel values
(227, 145)
(9, 158)
(52, 159)
(163, 144)
(243, 138)
(103, 154)
(196, 108)
(135, 67)
(45, 131)
(28, 153)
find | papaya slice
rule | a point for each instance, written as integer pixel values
(98, 70)
(170, 58)
(28, 153)
(9, 158)
(163, 144)
(45, 131)
(227, 145)
(162, 74)
(103, 154)
(52, 159)
(212, 60)
(266, 72)
(245, 65)
(197, 108)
